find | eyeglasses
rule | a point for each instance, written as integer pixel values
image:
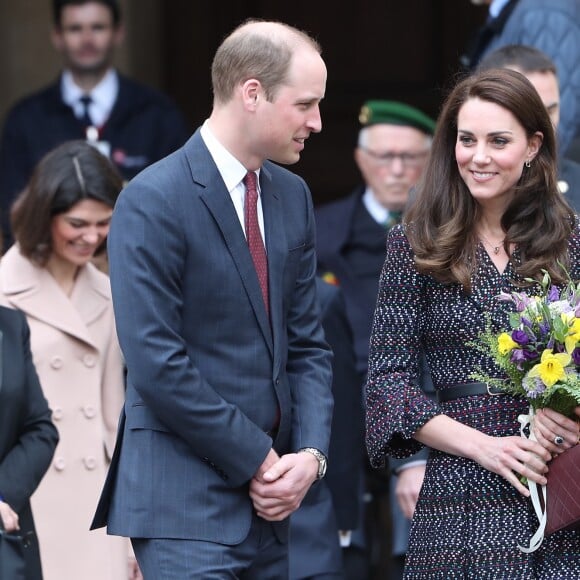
(413, 160)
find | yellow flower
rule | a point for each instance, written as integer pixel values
(551, 367)
(505, 344)
(573, 336)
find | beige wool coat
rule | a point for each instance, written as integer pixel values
(76, 353)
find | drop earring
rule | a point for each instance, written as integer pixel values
(528, 163)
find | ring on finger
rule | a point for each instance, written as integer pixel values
(558, 440)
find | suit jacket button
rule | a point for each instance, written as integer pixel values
(277, 382)
(56, 362)
(59, 463)
(90, 462)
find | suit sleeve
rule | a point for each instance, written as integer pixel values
(26, 463)
(309, 358)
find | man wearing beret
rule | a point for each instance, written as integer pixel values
(393, 145)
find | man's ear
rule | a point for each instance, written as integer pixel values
(251, 92)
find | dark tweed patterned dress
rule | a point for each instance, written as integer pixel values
(469, 521)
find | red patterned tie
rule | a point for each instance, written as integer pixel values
(254, 236)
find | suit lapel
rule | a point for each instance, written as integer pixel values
(276, 246)
(219, 203)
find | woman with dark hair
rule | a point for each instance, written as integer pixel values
(60, 222)
(488, 215)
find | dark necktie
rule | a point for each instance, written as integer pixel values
(86, 120)
(393, 219)
(253, 235)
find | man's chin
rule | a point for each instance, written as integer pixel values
(90, 68)
(395, 198)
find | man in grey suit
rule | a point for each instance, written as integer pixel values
(227, 419)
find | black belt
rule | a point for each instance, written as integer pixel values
(466, 390)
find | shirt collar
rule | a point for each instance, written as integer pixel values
(378, 212)
(104, 95)
(231, 170)
(496, 7)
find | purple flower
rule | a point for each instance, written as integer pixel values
(520, 337)
(553, 294)
(544, 329)
(531, 355)
(518, 357)
(576, 356)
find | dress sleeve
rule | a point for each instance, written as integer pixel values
(396, 406)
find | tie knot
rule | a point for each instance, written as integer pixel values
(86, 100)
(250, 181)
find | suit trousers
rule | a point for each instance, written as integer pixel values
(261, 555)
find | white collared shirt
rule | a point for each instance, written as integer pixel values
(103, 96)
(378, 212)
(232, 172)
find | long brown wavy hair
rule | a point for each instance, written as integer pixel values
(441, 223)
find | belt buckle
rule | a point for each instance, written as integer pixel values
(489, 392)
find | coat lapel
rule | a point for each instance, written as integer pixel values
(34, 291)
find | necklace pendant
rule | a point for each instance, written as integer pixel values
(496, 250)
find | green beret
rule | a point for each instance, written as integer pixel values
(395, 113)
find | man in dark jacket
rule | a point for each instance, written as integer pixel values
(131, 123)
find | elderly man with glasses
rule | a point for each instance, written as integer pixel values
(393, 145)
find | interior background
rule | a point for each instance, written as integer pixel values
(390, 49)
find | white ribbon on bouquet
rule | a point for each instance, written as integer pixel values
(527, 422)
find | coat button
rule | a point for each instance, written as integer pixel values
(90, 462)
(59, 463)
(56, 362)
(89, 360)
(57, 413)
(89, 411)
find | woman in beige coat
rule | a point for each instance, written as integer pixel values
(60, 222)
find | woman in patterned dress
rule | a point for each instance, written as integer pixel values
(487, 215)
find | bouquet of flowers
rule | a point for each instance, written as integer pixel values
(540, 355)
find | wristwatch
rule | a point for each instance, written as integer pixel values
(321, 460)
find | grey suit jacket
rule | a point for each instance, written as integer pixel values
(211, 380)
